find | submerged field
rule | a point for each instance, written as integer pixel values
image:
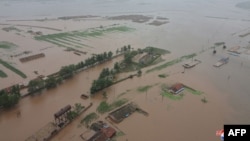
(15, 70)
(6, 45)
(192, 28)
(75, 39)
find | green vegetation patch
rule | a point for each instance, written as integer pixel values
(188, 56)
(120, 95)
(117, 135)
(144, 88)
(11, 28)
(193, 91)
(3, 74)
(162, 75)
(204, 100)
(168, 94)
(106, 107)
(171, 63)
(123, 93)
(165, 65)
(152, 57)
(60, 38)
(131, 67)
(13, 68)
(219, 43)
(155, 50)
(6, 45)
(89, 118)
(172, 96)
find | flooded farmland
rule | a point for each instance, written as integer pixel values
(189, 26)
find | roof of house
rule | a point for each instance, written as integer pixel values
(109, 132)
(98, 136)
(177, 87)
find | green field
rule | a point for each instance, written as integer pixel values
(73, 39)
(3, 74)
(7, 45)
(15, 70)
(172, 96)
(144, 88)
(171, 63)
(155, 50)
(106, 107)
(89, 118)
(162, 75)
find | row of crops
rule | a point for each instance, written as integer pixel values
(75, 39)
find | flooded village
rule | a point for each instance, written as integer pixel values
(123, 70)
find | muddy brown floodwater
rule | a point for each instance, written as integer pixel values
(193, 26)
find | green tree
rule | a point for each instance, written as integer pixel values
(139, 72)
(99, 58)
(125, 48)
(128, 58)
(110, 54)
(129, 47)
(104, 95)
(93, 60)
(67, 71)
(59, 80)
(15, 89)
(71, 115)
(9, 100)
(105, 55)
(35, 85)
(50, 82)
(105, 73)
(93, 88)
(3, 98)
(87, 62)
(78, 107)
(117, 67)
(140, 50)
(82, 64)
(117, 51)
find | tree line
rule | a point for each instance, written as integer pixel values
(9, 97)
(67, 72)
(107, 75)
(104, 80)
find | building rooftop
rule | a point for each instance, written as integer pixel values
(176, 88)
(109, 132)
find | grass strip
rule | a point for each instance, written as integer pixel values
(171, 63)
(193, 91)
(13, 68)
(144, 88)
(6, 45)
(76, 43)
(172, 96)
(162, 75)
(89, 118)
(106, 107)
(3, 74)
(56, 43)
(156, 50)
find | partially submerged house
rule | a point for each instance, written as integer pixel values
(109, 132)
(221, 62)
(105, 133)
(118, 115)
(45, 133)
(176, 88)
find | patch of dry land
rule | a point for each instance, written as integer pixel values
(143, 67)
